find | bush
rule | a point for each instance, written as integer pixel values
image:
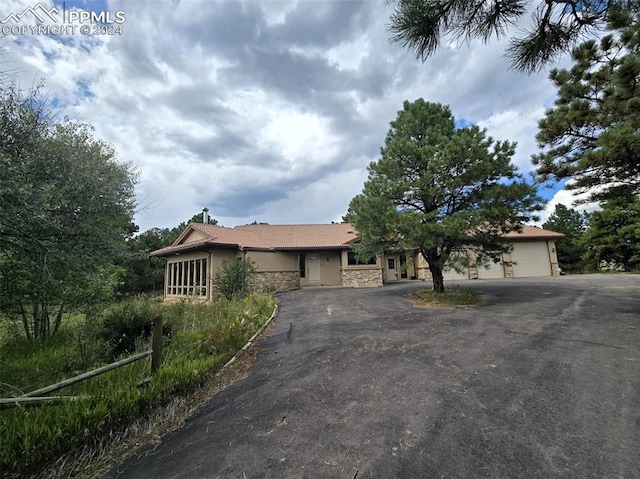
(126, 324)
(234, 278)
(204, 337)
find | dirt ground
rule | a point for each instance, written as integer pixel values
(540, 380)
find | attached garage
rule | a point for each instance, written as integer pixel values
(450, 274)
(491, 271)
(453, 275)
(533, 254)
(530, 259)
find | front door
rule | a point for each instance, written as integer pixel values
(393, 268)
(313, 263)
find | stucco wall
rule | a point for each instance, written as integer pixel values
(194, 236)
(326, 265)
(330, 268)
(274, 261)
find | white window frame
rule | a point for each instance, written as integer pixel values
(187, 278)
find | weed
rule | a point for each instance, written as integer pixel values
(203, 337)
(450, 297)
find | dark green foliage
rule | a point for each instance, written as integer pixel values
(144, 273)
(423, 25)
(178, 230)
(204, 337)
(66, 208)
(593, 133)
(126, 325)
(234, 278)
(439, 190)
(571, 248)
(613, 237)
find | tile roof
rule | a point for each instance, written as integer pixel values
(295, 237)
(533, 232)
(334, 235)
(280, 237)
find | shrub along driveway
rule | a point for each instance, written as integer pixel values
(541, 380)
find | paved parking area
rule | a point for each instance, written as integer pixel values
(541, 380)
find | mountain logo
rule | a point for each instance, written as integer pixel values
(38, 11)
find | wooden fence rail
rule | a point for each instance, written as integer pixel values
(36, 397)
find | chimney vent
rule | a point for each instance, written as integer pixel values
(205, 215)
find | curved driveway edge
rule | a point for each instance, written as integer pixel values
(541, 380)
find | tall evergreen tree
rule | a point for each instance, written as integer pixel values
(592, 134)
(570, 249)
(439, 190)
(613, 237)
(556, 25)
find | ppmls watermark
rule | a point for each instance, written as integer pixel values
(39, 20)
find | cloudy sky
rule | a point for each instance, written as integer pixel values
(261, 110)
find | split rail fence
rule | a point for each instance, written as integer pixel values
(38, 397)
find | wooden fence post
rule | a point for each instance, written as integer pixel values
(156, 345)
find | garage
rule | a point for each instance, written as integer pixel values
(530, 259)
(491, 271)
(450, 274)
(453, 275)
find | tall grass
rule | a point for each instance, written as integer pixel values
(202, 338)
(454, 296)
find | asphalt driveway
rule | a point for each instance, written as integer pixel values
(541, 380)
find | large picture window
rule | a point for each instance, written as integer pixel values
(352, 260)
(187, 278)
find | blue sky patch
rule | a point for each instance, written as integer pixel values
(463, 123)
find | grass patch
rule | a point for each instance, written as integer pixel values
(201, 339)
(451, 297)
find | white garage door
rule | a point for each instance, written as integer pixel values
(530, 259)
(495, 270)
(452, 275)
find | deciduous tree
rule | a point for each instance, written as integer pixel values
(439, 189)
(66, 207)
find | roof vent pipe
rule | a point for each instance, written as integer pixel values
(205, 215)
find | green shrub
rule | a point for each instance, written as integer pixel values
(234, 278)
(127, 324)
(203, 338)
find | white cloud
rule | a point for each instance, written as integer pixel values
(267, 110)
(569, 199)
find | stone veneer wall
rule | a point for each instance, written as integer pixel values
(276, 280)
(473, 272)
(358, 278)
(508, 269)
(423, 274)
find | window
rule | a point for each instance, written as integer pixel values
(392, 263)
(187, 278)
(302, 266)
(352, 260)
